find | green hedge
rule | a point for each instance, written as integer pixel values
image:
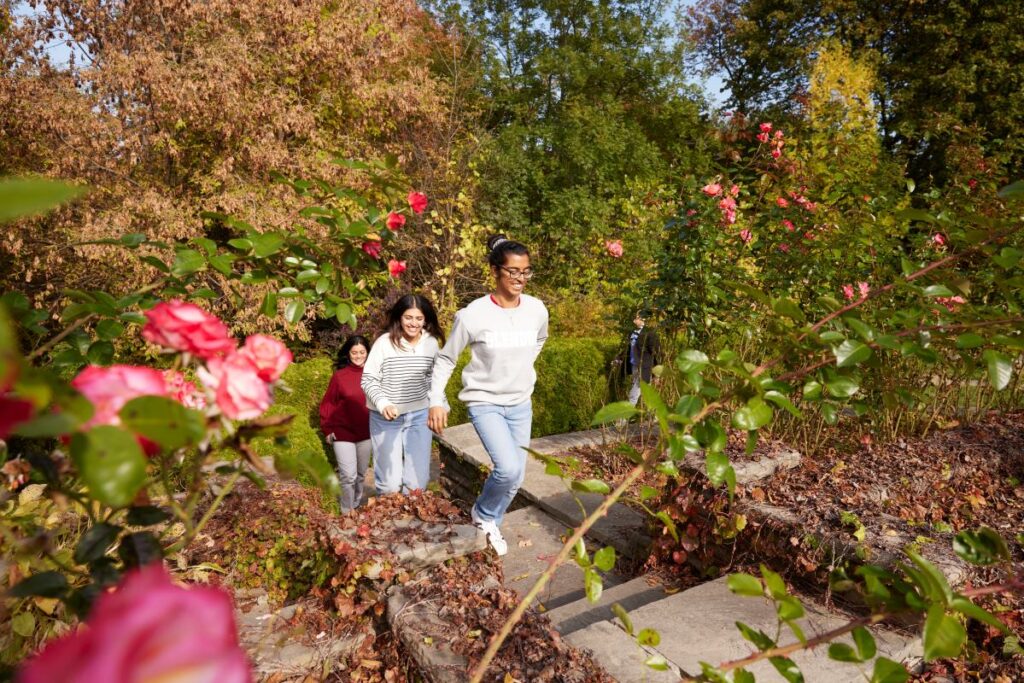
(572, 384)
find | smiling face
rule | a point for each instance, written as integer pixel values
(412, 324)
(508, 286)
(357, 355)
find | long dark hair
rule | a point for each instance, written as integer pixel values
(355, 340)
(393, 326)
(499, 247)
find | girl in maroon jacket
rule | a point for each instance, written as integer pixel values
(345, 421)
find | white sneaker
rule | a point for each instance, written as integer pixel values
(494, 536)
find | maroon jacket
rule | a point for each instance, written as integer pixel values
(343, 409)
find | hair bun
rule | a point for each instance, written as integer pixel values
(494, 241)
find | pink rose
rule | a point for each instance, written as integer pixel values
(781, 201)
(746, 235)
(13, 411)
(396, 267)
(765, 127)
(417, 202)
(779, 135)
(951, 302)
(148, 629)
(109, 388)
(691, 212)
(734, 190)
(788, 224)
(762, 137)
(395, 221)
(863, 288)
(810, 206)
(237, 387)
(848, 292)
(186, 327)
(939, 239)
(614, 248)
(972, 183)
(784, 248)
(373, 248)
(712, 189)
(184, 392)
(268, 355)
(776, 153)
(729, 216)
(727, 204)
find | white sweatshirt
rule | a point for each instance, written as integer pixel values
(399, 377)
(504, 343)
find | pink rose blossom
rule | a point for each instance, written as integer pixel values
(746, 235)
(373, 248)
(184, 392)
(848, 292)
(110, 388)
(729, 217)
(762, 137)
(863, 288)
(268, 355)
(788, 224)
(972, 183)
(810, 206)
(417, 202)
(614, 248)
(691, 212)
(237, 387)
(776, 153)
(765, 127)
(727, 204)
(781, 201)
(395, 221)
(734, 190)
(148, 629)
(186, 327)
(395, 267)
(784, 248)
(951, 302)
(779, 135)
(712, 189)
(939, 239)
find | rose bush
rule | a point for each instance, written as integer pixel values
(180, 326)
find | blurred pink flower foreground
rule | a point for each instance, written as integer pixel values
(150, 629)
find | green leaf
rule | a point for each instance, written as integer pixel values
(24, 197)
(109, 330)
(240, 243)
(967, 608)
(24, 624)
(934, 582)
(100, 353)
(752, 416)
(186, 262)
(812, 390)
(776, 586)
(789, 608)
(604, 559)
(851, 352)
(648, 492)
(111, 464)
(146, 515)
(789, 308)
(52, 424)
(140, 549)
(691, 360)
(841, 652)
(888, 671)
(164, 421)
(592, 584)
(984, 546)
(1014, 190)
(937, 290)
(969, 341)
(613, 412)
(717, 466)
(689, 405)
(745, 584)
(656, 662)
(1008, 257)
(623, 616)
(591, 486)
(1000, 369)
(787, 668)
(43, 585)
(759, 638)
(266, 244)
(294, 311)
(95, 542)
(782, 401)
(865, 643)
(649, 636)
(944, 636)
(842, 387)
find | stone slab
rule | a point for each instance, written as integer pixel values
(630, 595)
(622, 528)
(619, 654)
(534, 539)
(699, 625)
(420, 544)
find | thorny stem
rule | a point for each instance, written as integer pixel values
(60, 337)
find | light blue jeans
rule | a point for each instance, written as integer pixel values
(401, 452)
(505, 433)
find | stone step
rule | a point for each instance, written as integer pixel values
(620, 655)
(622, 528)
(630, 595)
(699, 625)
(534, 539)
(419, 544)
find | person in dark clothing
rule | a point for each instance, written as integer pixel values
(345, 420)
(640, 355)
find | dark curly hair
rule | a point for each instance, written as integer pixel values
(342, 359)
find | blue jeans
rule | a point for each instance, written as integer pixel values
(401, 452)
(505, 433)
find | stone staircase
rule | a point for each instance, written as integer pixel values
(695, 625)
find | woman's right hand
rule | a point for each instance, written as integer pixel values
(389, 413)
(437, 419)
(331, 438)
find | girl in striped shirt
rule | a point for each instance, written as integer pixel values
(396, 381)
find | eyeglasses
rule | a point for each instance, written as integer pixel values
(515, 273)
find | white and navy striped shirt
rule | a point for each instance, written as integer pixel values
(399, 376)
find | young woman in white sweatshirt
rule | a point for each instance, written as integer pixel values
(505, 331)
(396, 381)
